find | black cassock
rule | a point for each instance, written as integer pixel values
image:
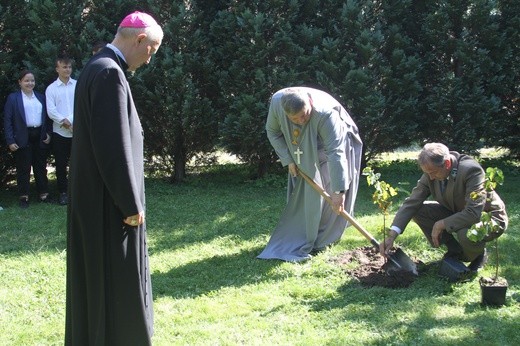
(109, 294)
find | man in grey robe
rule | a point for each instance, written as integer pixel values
(109, 293)
(310, 131)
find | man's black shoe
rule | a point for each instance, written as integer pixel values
(63, 199)
(24, 203)
(478, 262)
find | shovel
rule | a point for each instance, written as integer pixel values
(399, 260)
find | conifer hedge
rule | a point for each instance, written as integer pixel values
(409, 71)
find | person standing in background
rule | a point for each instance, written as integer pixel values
(60, 107)
(109, 291)
(27, 133)
(97, 46)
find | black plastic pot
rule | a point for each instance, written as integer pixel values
(493, 293)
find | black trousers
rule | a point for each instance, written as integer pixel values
(61, 149)
(31, 156)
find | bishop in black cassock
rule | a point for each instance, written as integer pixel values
(109, 293)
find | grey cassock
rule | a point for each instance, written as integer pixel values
(331, 148)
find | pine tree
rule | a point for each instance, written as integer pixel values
(504, 127)
(460, 73)
(366, 61)
(172, 95)
(256, 56)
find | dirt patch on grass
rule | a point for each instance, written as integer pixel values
(370, 268)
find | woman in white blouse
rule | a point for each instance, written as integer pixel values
(27, 133)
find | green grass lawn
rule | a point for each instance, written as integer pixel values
(209, 289)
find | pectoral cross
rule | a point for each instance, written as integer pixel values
(298, 152)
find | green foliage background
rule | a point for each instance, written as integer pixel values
(409, 71)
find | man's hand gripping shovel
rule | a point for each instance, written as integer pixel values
(397, 260)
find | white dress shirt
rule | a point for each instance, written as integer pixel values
(60, 105)
(33, 110)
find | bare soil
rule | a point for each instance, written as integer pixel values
(370, 268)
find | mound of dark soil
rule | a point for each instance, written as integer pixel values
(370, 269)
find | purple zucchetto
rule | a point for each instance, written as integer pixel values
(138, 20)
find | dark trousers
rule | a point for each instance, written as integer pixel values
(61, 149)
(457, 242)
(31, 156)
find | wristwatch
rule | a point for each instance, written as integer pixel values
(339, 192)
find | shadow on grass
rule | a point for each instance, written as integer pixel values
(211, 274)
(431, 327)
(207, 209)
(190, 219)
(399, 321)
(39, 228)
(232, 206)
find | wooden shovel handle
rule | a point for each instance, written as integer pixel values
(346, 215)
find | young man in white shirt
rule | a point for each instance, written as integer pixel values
(60, 108)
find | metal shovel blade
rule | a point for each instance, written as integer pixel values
(400, 261)
(397, 261)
